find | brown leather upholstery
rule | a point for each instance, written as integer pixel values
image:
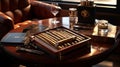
(6, 24)
(17, 11)
(41, 10)
(117, 41)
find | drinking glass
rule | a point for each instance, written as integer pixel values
(54, 10)
(102, 27)
(73, 17)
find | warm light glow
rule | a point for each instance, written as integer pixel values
(16, 26)
(24, 23)
(106, 64)
(50, 23)
(92, 51)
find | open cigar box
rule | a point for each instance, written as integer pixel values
(62, 42)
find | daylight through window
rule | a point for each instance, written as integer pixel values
(109, 2)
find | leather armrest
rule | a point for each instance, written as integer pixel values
(41, 10)
(117, 42)
(6, 24)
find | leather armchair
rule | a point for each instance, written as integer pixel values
(117, 41)
(6, 24)
(17, 11)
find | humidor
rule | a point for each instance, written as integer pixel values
(62, 43)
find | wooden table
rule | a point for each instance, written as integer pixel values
(101, 48)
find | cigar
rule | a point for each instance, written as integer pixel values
(79, 36)
(44, 39)
(29, 50)
(60, 47)
(47, 39)
(67, 33)
(71, 32)
(66, 40)
(69, 44)
(53, 35)
(57, 35)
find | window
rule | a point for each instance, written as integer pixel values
(112, 2)
(99, 3)
(102, 5)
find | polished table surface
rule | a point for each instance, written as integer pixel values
(101, 47)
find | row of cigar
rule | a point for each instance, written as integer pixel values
(60, 38)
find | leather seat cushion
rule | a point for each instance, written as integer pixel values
(16, 15)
